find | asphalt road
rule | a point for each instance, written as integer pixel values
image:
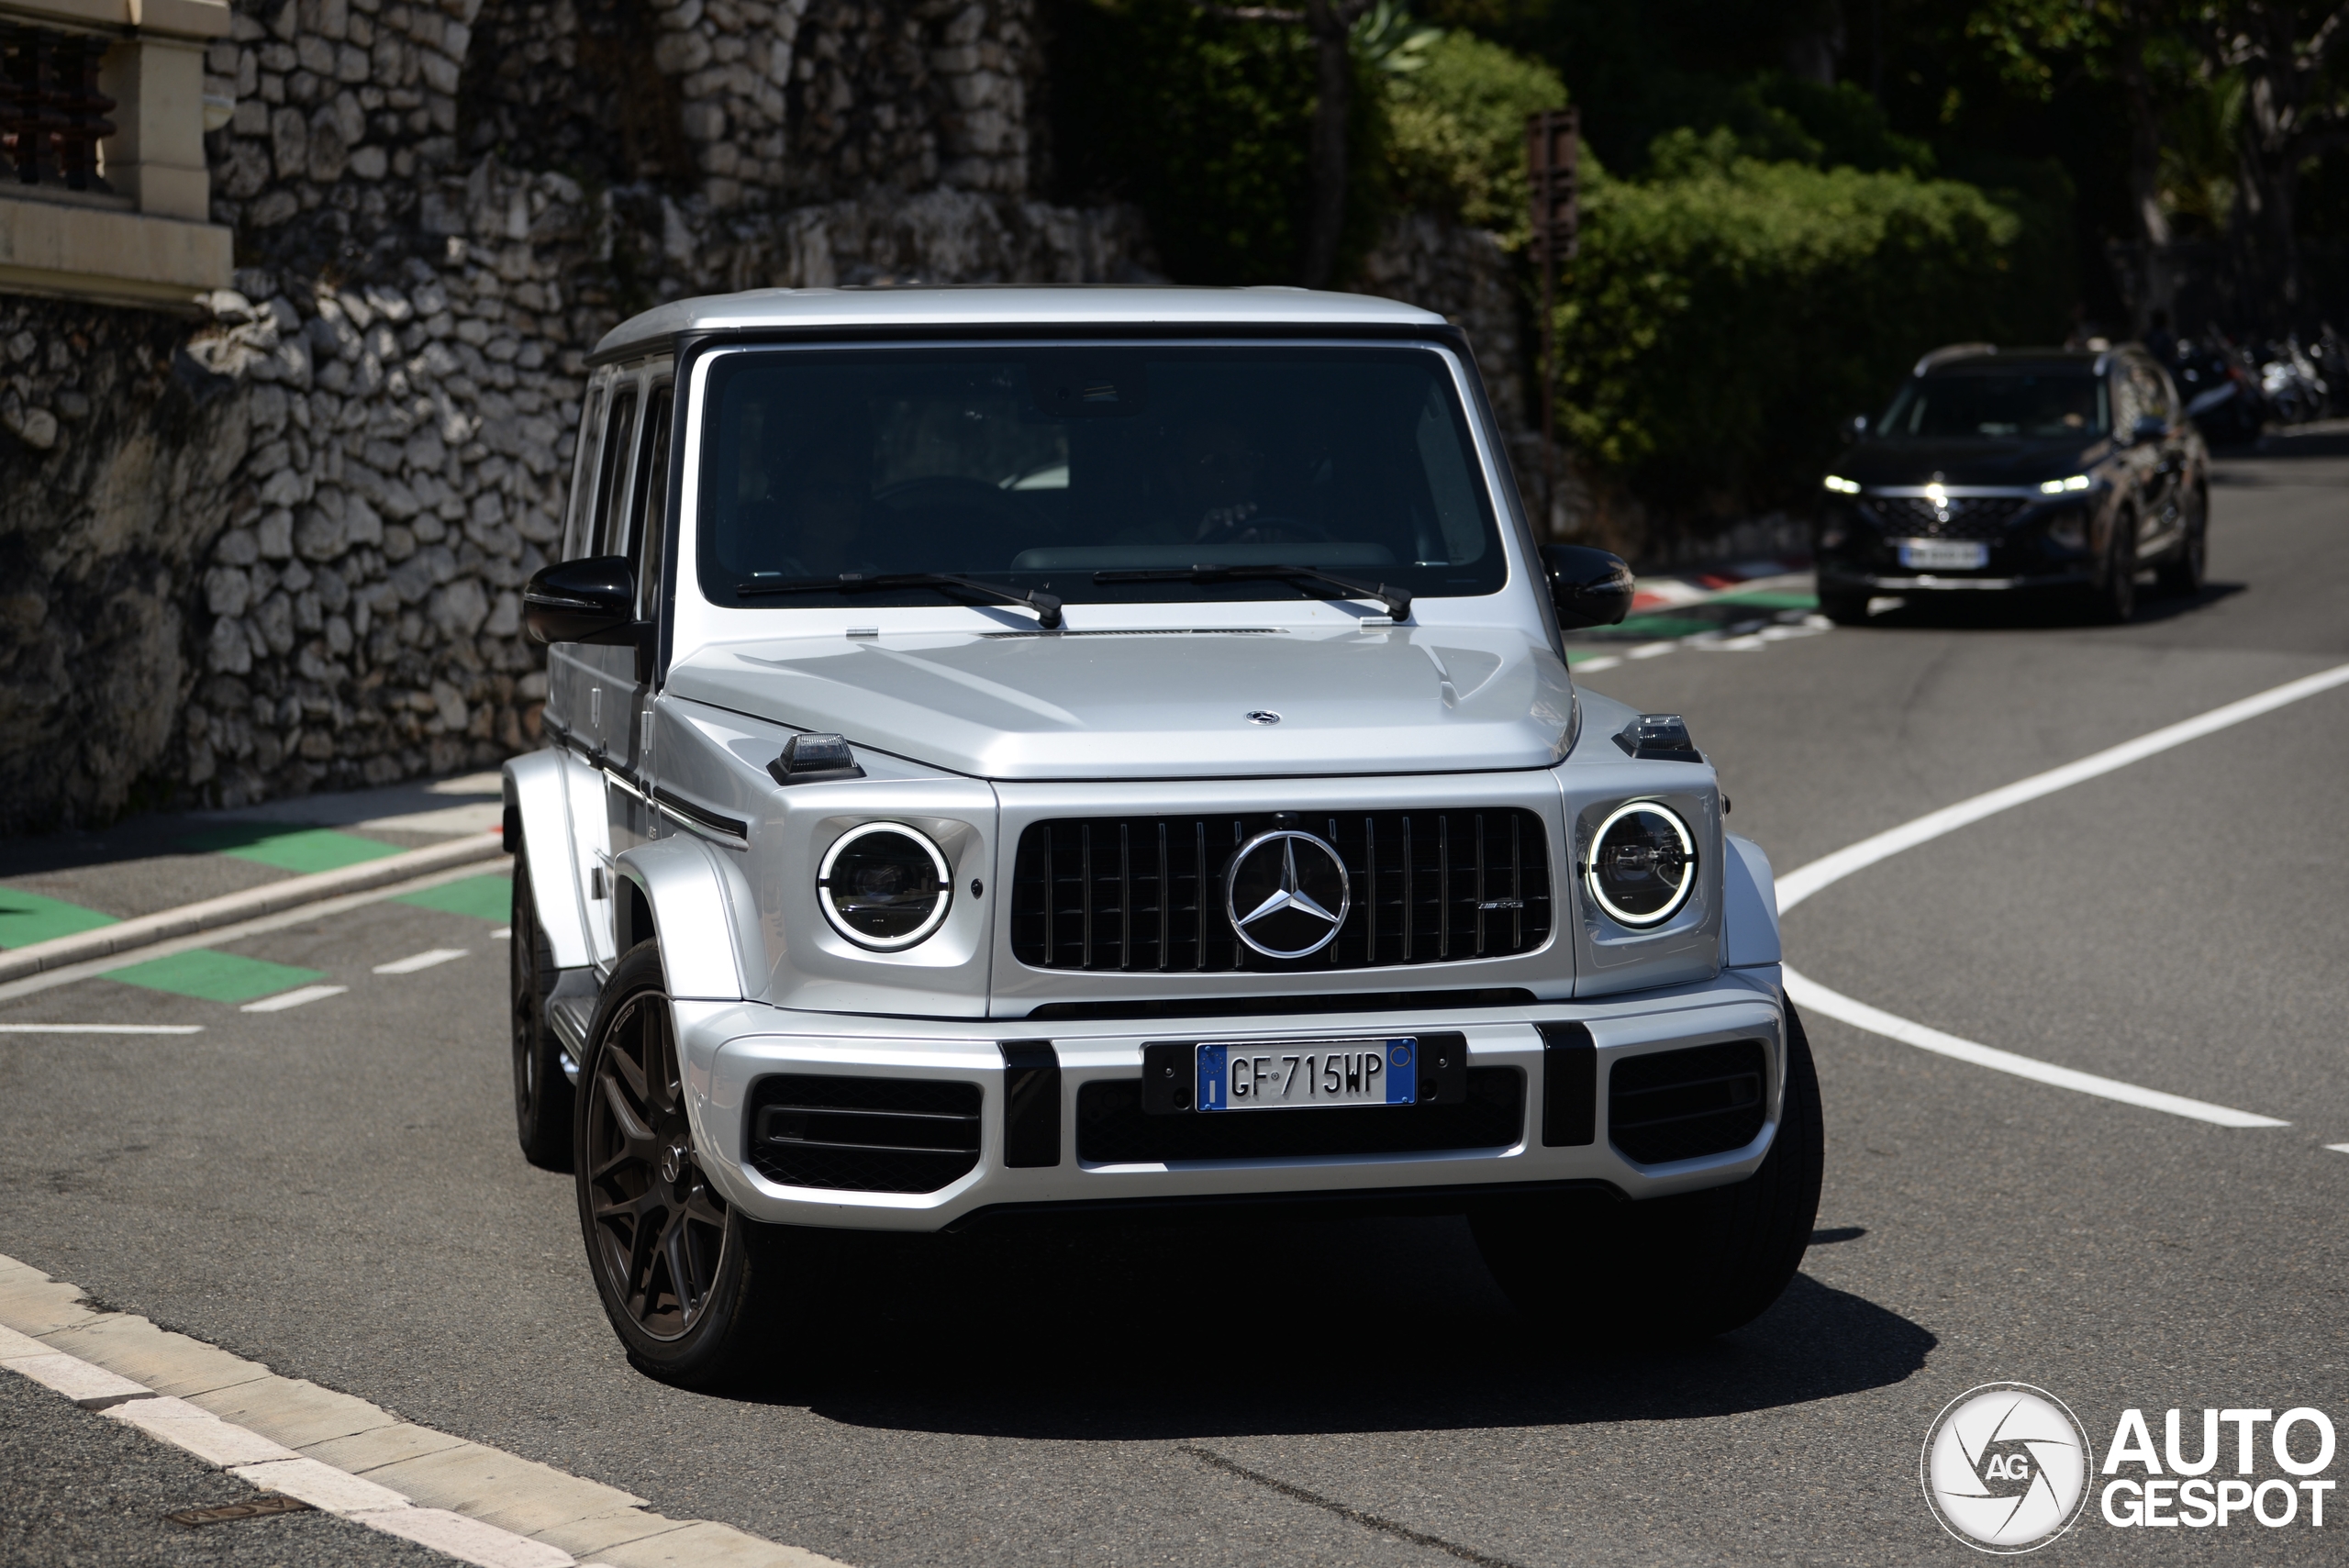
(334, 1189)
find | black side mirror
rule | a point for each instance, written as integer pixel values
(592, 600)
(1855, 428)
(1589, 586)
(2150, 428)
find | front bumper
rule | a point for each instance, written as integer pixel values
(727, 1047)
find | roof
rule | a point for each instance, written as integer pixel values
(1115, 306)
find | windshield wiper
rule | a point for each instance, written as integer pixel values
(1047, 608)
(1397, 600)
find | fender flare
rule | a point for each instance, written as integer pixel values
(1749, 906)
(536, 804)
(683, 886)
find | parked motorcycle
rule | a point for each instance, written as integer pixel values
(2224, 394)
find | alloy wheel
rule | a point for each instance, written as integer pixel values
(656, 1229)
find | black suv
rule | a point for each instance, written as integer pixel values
(2017, 468)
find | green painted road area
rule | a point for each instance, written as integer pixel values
(27, 917)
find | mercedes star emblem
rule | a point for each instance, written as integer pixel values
(1293, 909)
(1263, 716)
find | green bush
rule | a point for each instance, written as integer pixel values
(1205, 124)
(1455, 131)
(1725, 312)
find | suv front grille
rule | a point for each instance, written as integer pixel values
(1970, 516)
(1678, 1104)
(870, 1135)
(1113, 1129)
(1146, 894)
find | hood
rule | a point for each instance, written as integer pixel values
(1161, 705)
(1987, 463)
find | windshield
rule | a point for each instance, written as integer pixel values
(1037, 468)
(2007, 405)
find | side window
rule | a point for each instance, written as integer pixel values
(649, 526)
(577, 535)
(611, 476)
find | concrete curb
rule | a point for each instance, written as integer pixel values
(145, 930)
(343, 1455)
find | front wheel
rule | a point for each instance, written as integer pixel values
(692, 1287)
(1844, 609)
(2115, 599)
(1676, 1269)
(2181, 575)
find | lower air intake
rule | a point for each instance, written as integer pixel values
(868, 1135)
(1112, 1130)
(1680, 1105)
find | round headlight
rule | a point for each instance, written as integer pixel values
(884, 886)
(1643, 863)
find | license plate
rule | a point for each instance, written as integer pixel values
(1294, 1074)
(1945, 555)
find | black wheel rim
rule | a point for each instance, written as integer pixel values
(657, 1231)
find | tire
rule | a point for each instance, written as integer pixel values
(1844, 609)
(2181, 575)
(1669, 1269)
(2114, 600)
(543, 1092)
(694, 1290)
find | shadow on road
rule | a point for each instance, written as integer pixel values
(1361, 1326)
(2049, 611)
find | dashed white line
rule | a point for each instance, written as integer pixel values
(1801, 883)
(1813, 997)
(100, 1029)
(294, 999)
(2339, 1148)
(502, 933)
(425, 960)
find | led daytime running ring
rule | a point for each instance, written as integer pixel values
(1688, 848)
(893, 944)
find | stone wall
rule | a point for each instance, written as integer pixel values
(278, 548)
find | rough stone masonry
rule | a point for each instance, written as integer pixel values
(279, 548)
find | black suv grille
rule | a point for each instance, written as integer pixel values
(1146, 894)
(870, 1135)
(1970, 516)
(1113, 1129)
(1678, 1104)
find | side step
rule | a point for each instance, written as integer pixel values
(571, 1009)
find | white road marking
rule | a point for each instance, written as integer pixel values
(1804, 881)
(1715, 641)
(1813, 997)
(416, 961)
(1592, 666)
(294, 999)
(502, 933)
(1652, 649)
(100, 1029)
(1799, 885)
(2339, 1148)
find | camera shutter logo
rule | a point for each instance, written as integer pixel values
(2006, 1467)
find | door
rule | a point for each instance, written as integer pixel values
(637, 532)
(578, 697)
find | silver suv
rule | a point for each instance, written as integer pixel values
(1041, 749)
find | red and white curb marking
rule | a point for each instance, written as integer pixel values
(504, 1511)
